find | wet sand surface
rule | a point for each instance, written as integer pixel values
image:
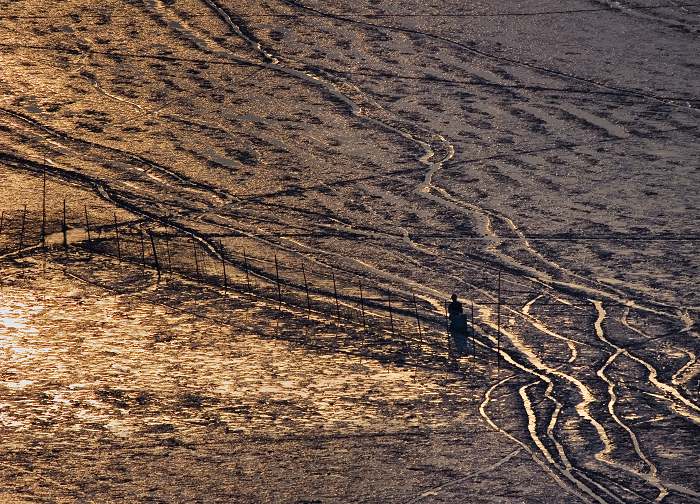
(543, 155)
(105, 400)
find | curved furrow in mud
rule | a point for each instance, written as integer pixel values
(677, 378)
(652, 476)
(483, 411)
(164, 175)
(134, 203)
(455, 203)
(652, 14)
(683, 406)
(540, 370)
(587, 396)
(548, 71)
(183, 29)
(583, 409)
(239, 32)
(430, 148)
(564, 465)
(579, 490)
(82, 71)
(611, 409)
(558, 406)
(573, 352)
(425, 189)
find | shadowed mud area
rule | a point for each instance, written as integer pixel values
(266, 205)
(106, 398)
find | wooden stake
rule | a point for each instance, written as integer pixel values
(143, 250)
(279, 287)
(498, 325)
(167, 249)
(415, 307)
(21, 233)
(362, 306)
(447, 330)
(391, 315)
(43, 212)
(247, 275)
(196, 260)
(64, 226)
(335, 293)
(306, 286)
(473, 331)
(155, 254)
(116, 232)
(87, 225)
(203, 261)
(223, 265)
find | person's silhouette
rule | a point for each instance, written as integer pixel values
(455, 308)
(458, 325)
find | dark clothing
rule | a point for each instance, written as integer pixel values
(455, 309)
(458, 326)
(460, 339)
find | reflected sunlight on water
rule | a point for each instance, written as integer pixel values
(79, 360)
(15, 317)
(15, 325)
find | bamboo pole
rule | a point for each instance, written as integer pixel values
(335, 294)
(143, 251)
(64, 226)
(116, 233)
(155, 254)
(247, 275)
(306, 287)
(279, 287)
(167, 249)
(87, 225)
(43, 211)
(498, 325)
(415, 307)
(24, 223)
(196, 260)
(223, 265)
(362, 306)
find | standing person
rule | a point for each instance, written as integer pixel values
(455, 308)
(458, 324)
